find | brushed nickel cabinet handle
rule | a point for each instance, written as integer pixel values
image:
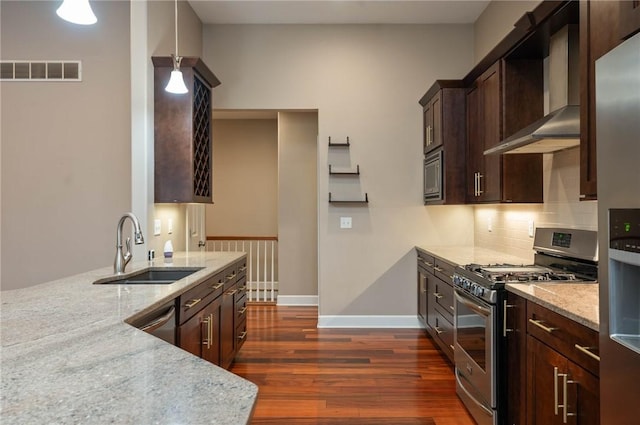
(452, 347)
(438, 330)
(587, 351)
(242, 269)
(231, 276)
(565, 403)
(232, 292)
(217, 286)
(452, 308)
(505, 306)
(193, 302)
(555, 390)
(242, 336)
(207, 322)
(539, 324)
(242, 310)
(438, 295)
(438, 269)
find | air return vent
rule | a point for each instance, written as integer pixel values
(15, 70)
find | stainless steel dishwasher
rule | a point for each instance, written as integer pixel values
(160, 323)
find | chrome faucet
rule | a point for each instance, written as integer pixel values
(122, 260)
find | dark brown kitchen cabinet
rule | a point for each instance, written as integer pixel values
(629, 18)
(515, 331)
(435, 300)
(212, 316)
(562, 364)
(599, 33)
(200, 335)
(444, 121)
(498, 178)
(183, 133)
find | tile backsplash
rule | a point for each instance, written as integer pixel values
(509, 223)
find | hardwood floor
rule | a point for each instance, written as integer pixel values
(310, 376)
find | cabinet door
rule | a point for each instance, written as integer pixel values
(436, 120)
(475, 144)
(490, 181)
(428, 126)
(211, 332)
(422, 297)
(629, 18)
(191, 334)
(598, 34)
(515, 330)
(227, 327)
(583, 391)
(544, 383)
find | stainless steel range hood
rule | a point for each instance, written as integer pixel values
(559, 129)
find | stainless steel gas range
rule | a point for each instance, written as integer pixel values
(561, 255)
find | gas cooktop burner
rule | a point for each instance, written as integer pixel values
(504, 273)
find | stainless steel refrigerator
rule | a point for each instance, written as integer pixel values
(618, 144)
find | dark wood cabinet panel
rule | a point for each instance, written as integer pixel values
(227, 327)
(444, 128)
(515, 330)
(183, 158)
(422, 297)
(629, 18)
(599, 33)
(543, 383)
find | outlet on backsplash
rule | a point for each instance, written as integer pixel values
(489, 224)
(531, 228)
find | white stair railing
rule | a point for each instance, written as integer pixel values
(262, 259)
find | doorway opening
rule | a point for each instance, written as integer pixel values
(265, 199)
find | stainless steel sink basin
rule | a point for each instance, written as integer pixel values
(152, 276)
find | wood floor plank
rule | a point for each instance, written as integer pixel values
(317, 376)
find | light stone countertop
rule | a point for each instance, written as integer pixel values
(576, 301)
(465, 254)
(68, 357)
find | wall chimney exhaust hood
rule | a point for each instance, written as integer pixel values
(559, 129)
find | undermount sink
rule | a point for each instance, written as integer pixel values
(152, 276)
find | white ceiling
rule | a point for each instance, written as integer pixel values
(338, 11)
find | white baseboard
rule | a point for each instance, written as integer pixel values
(300, 300)
(397, 322)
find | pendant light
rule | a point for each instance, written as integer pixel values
(176, 82)
(77, 12)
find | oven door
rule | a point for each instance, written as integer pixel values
(474, 347)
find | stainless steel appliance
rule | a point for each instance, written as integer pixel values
(618, 144)
(160, 323)
(480, 300)
(433, 176)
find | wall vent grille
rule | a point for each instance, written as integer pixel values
(19, 70)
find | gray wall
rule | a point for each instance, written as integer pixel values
(245, 178)
(297, 204)
(66, 157)
(365, 81)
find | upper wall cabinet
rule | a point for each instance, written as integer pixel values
(502, 100)
(182, 132)
(599, 33)
(443, 109)
(629, 18)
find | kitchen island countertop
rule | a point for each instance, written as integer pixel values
(69, 357)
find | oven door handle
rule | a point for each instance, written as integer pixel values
(473, 306)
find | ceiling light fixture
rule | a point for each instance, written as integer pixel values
(176, 82)
(77, 12)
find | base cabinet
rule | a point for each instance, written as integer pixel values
(212, 332)
(552, 367)
(435, 300)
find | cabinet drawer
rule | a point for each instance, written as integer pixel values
(230, 276)
(441, 329)
(241, 268)
(441, 293)
(426, 261)
(241, 334)
(444, 270)
(241, 309)
(199, 296)
(573, 340)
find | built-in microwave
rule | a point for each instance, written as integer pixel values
(433, 190)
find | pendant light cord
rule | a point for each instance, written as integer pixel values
(175, 14)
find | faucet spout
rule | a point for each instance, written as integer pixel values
(122, 259)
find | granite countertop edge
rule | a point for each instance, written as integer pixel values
(68, 355)
(576, 301)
